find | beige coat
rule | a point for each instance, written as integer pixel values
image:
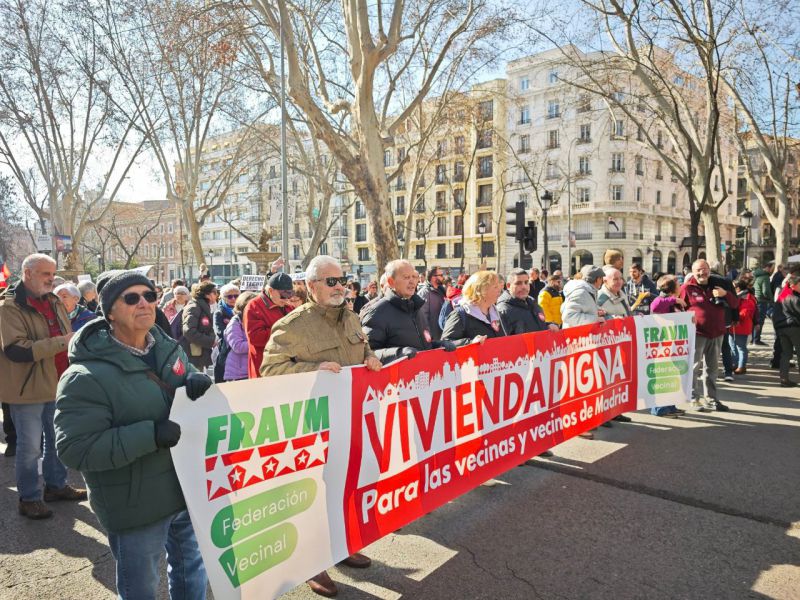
(313, 334)
(29, 371)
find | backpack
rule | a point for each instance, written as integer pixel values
(447, 308)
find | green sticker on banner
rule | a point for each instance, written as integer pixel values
(251, 558)
(667, 368)
(664, 385)
(243, 519)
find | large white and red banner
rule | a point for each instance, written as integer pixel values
(286, 476)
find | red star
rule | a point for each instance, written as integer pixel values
(236, 477)
(301, 460)
(269, 467)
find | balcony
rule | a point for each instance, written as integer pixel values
(658, 237)
(584, 140)
(553, 146)
(616, 235)
(583, 236)
(554, 114)
(616, 170)
(637, 236)
(400, 185)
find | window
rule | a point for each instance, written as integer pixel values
(551, 170)
(170, 227)
(361, 212)
(401, 154)
(485, 166)
(616, 193)
(272, 173)
(485, 195)
(486, 219)
(583, 194)
(638, 194)
(419, 207)
(458, 171)
(441, 202)
(658, 196)
(618, 130)
(296, 252)
(639, 134)
(552, 76)
(659, 140)
(400, 207)
(618, 96)
(586, 134)
(458, 250)
(553, 109)
(487, 249)
(617, 162)
(419, 228)
(170, 250)
(441, 250)
(441, 174)
(363, 254)
(387, 158)
(361, 232)
(674, 200)
(400, 182)
(553, 139)
(524, 84)
(485, 139)
(659, 170)
(524, 115)
(294, 186)
(584, 103)
(639, 168)
(323, 248)
(584, 165)
(458, 225)
(524, 144)
(458, 198)
(400, 230)
(486, 110)
(441, 148)
(419, 252)
(459, 144)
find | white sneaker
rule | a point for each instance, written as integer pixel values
(697, 406)
(729, 378)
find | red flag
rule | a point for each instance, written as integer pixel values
(5, 275)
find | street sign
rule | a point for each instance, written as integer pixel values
(44, 243)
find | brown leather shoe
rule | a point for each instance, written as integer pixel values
(35, 509)
(357, 561)
(66, 493)
(323, 585)
(587, 435)
(740, 371)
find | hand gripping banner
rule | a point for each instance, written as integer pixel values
(286, 476)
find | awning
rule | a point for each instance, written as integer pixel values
(687, 241)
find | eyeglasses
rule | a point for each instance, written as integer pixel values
(286, 294)
(332, 281)
(132, 298)
(232, 296)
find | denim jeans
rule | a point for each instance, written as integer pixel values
(739, 350)
(727, 356)
(139, 551)
(31, 421)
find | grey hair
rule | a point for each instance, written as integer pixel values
(383, 280)
(34, 259)
(394, 266)
(514, 273)
(70, 288)
(317, 263)
(86, 286)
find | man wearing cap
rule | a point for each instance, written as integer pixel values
(34, 334)
(260, 315)
(580, 298)
(321, 335)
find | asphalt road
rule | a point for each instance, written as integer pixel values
(706, 506)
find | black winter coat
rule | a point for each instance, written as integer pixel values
(393, 323)
(786, 314)
(433, 298)
(461, 327)
(519, 316)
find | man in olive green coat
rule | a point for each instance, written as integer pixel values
(321, 335)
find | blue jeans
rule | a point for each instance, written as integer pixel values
(139, 551)
(739, 350)
(31, 421)
(658, 411)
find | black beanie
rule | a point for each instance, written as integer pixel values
(104, 278)
(118, 283)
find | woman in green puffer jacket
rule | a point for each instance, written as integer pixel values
(112, 424)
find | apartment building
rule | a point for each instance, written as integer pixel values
(610, 188)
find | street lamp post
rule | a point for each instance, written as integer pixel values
(481, 230)
(546, 202)
(210, 255)
(747, 220)
(100, 263)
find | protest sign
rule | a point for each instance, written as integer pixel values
(288, 475)
(84, 277)
(254, 283)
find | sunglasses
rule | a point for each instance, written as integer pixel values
(232, 296)
(132, 298)
(286, 294)
(349, 300)
(332, 281)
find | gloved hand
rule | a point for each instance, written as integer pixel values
(197, 384)
(167, 433)
(445, 345)
(407, 352)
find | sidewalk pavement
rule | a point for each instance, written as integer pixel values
(705, 506)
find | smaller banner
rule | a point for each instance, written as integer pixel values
(286, 476)
(254, 283)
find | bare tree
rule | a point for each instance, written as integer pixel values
(351, 93)
(61, 137)
(129, 237)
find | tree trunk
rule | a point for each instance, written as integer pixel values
(711, 226)
(194, 231)
(783, 231)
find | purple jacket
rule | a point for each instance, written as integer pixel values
(663, 304)
(236, 363)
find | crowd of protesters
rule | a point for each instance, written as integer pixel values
(91, 369)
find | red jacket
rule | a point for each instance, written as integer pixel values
(709, 316)
(260, 315)
(747, 313)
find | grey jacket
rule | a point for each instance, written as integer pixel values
(580, 304)
(615, 306)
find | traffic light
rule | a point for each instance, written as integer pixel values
(516, 218)
(531, 233)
